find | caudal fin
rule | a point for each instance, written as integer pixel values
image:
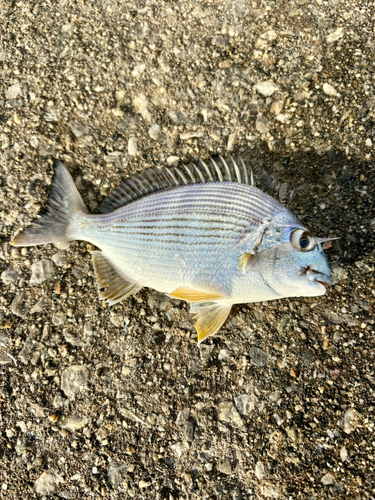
(52, 225)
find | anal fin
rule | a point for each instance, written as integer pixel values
(209, 317)
(117, 286)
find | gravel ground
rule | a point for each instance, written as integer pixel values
(100, 402)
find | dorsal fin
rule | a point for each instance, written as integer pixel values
(153, 180)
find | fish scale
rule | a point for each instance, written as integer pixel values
(197, 233)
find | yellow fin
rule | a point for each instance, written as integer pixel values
(246, 261)
(117, 286)
(195, 295)
(209, 317)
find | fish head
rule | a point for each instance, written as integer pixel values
(292, 262)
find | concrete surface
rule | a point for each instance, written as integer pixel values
(100, 402)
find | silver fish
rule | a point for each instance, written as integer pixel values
(201, 233)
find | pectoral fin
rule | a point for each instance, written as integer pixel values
(209, 316)
(245, 262)
(117, 287)
(195, 295)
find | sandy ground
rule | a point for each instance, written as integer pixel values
(100, 402)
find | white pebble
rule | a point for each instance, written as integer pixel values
(281, 117)
(154, 132)
(262, 124)
(34, 143)
(277, 107)
(172, 159)
(185, 136)
(335, 35)
(368, 143)
(141, 105)
(327, 479)
(329, 90)
(13, 91)
(132, 146)
(260, 470)
(265, 88)
(269, 35)
(343, 454)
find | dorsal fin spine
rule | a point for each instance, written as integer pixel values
(219, 174)
(211, 179)
(172, 175)
(237, 170)
(199, 173)
(192, 178)
(227, 169)
(244, 170)
(184, 180)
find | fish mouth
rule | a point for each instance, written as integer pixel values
(318, 277)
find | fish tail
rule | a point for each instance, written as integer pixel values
(53, 225)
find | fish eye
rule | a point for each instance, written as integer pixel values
(302, 240)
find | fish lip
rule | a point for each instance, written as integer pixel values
(318, 277)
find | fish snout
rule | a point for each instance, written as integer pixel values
(318, 277)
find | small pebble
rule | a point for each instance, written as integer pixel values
(327, 479)
(117, 472)
(27, 350)
(185, 136)
(78, 128)
(47, 482)
(141, 105)
(41, 271)
(57, 259)
(329, 90)
(58, 318)
(74, 423)
(9, 276)
(13, 91)
(351, 420)
(265, 88)
(143, 484)
(228, 413)
(334, 36)
(81, 270)
(154, 132)
(34, 142)
(179, 448)
(224, 466)
(19, 305)
(343, 454)
(171, 160)
(73, 379)
(259, 357)
(262, 124)
(260, 470)
(132, 146)
(277, 107)
(224, 355)
(245, 403)
(282, 118)
(39, 306)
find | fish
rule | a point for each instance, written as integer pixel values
(199, 232)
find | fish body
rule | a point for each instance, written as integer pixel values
(202, 234)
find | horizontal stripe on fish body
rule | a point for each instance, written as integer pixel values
(213, 198)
